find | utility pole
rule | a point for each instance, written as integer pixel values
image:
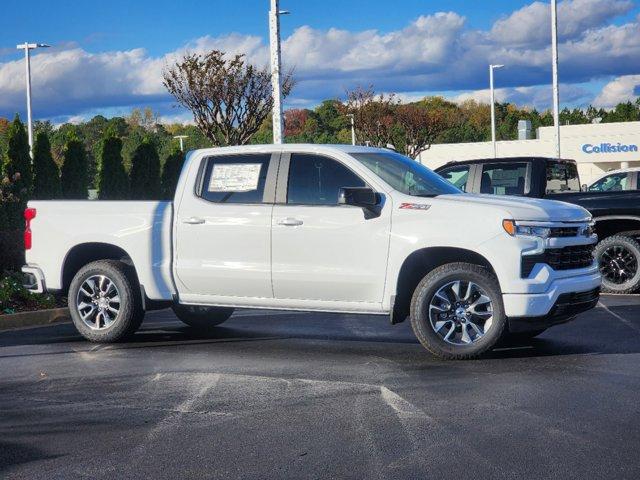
(181, 138)
(554, 64)
(353, 128)
(493, 108)
(27, 47)
(276, 83)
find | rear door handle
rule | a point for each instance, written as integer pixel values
(193, 221)
(290, 222)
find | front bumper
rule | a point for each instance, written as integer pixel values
(33, 279)
(567, 306)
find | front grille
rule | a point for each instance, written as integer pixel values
(567, 258)
(561, 232)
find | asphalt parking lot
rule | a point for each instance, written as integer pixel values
(298, 395)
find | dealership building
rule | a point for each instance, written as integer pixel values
(597, 147)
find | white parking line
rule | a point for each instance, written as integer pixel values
(622, 319)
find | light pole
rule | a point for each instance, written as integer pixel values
(353, 128)
(26, 46)
(181, 138)
(276, 84)
(493, 107)
(554, 67)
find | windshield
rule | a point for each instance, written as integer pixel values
(405, 175)
(562, 177)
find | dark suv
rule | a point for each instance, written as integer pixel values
(616, 213)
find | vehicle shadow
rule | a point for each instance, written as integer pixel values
(595, 333)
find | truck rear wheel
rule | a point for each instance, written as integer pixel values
(457, 311)
(104, 301)
(619, 260)
(201, 317)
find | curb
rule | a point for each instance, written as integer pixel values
(38, 317)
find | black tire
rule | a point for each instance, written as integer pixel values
(425, 292)
(615, 253)
(130, 312)
(202, 317)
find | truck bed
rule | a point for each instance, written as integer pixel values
(141, 229)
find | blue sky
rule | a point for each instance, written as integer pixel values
(108, 56)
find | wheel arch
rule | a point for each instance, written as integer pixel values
(610, 225)
(84, 253)
(421, 262)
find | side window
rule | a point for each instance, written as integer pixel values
(235, 178)
(503, 179)
(317, 180)
(458, 175)
(611, 183)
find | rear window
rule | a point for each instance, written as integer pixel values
(503, 179)
(235, 178)
(562, 177)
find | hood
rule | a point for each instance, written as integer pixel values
(523, 208)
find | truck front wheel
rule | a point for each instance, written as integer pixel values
(457, 311)
(201, 317)
(104, 301)
(619, 260)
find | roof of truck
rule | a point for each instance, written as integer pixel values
(507, 160)
(292, 147)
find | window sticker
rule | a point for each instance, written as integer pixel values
(234, 177)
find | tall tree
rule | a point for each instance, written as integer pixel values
(18, 164)
(373, 116)
(46, 175)
(145, 172)
(419, 127)
(74, 178)
(170, 174)
(229, 98)
(113, 181)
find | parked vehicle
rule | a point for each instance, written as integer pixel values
(616, 181)
(616, 212)
(318, 228)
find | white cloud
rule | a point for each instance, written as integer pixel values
(619, 90)
(434, 52)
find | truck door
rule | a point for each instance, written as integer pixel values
(223, 229)
(323, 251)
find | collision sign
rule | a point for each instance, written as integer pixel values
(608, 148)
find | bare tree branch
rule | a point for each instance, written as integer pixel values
(229, 99)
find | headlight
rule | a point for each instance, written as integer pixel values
(525, 230)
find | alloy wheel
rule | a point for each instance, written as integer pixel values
(98, 302)
(461, 312)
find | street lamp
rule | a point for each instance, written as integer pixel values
(26, 46)
(276, 84)
(353, 128)
(181, 138)
(493, 107)
(554, 68)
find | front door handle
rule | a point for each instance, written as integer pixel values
(193, 221)
(290, 222)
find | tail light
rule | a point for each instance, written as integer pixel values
(29, 214)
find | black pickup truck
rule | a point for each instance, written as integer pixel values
(617, 214)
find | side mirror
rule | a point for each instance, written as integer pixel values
(357, 196)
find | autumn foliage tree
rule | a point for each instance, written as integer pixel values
(229, 98)
(374, 116)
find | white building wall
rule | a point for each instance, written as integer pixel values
(576, 141)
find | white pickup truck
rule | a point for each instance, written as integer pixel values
(318, 228)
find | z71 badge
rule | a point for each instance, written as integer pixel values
(414, 206)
